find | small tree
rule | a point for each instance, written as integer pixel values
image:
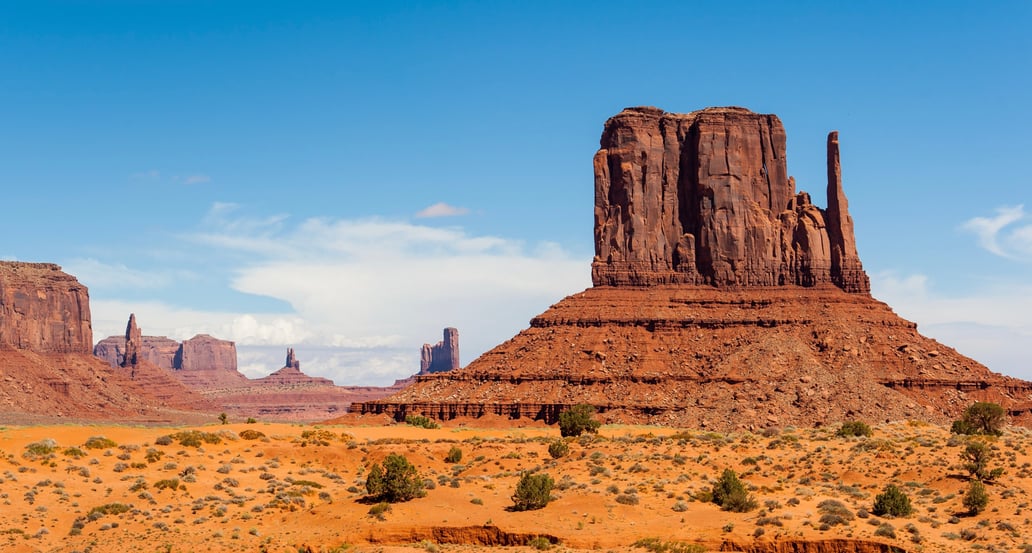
(577, 420)
(976, 497)
(976, 457)
(533, 491)
(395, 482)
(982, 417)
(558, 448)
(223, 418)
(454, 455)
(893, 502)
(729, 492)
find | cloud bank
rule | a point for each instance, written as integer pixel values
(363, 293)
(1008, 234)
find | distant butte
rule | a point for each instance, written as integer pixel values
(722, 299)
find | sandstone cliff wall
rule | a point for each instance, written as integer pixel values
(43, 309)
(442, 356)
(705, 198)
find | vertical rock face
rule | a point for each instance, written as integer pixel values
(204, 352)
(704, 198)
(442, 356)
(133, 341)
(43, 309)
(158, 350)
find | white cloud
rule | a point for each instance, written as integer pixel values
(364, 293)
(441, 209)
(992, 324)
(196, 179)
(151, 174)
(992, 236)
(97, 274)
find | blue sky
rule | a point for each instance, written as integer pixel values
(350, 177)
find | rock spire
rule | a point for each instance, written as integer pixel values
(442, 356)
(133, 341)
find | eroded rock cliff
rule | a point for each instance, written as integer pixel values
(442, 356)
(43, 309)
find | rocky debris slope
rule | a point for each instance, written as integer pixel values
(723, 299)
(43, 309)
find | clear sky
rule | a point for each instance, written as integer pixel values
(348, 178)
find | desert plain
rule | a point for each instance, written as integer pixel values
(293, 487)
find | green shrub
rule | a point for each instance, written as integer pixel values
(108, 509)
(834, 512)
(656, 545)
(454, 455)
(540, 543)
(577, 420)
(854, 428)
(893, 502)
(976, 457)
(191, 438)
(981, 418)
(396, 481)
(99, 442)
(73, 452)
(558, 449)
(250, 434)
(380, 510)
(885, 530)
(223, 418)
(421, 421)
(533, 491)
(976, 499)
(729, 492)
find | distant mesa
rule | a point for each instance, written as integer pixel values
(722, 299)
(442, 356)
(43, 309)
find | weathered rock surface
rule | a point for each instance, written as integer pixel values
(43, 309)
(442, 356)
(158, 350)
(723, 299)
(705, 198)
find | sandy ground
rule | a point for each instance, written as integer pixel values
(293, 491)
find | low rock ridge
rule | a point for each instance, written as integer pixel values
(704, 198)
(43, 309)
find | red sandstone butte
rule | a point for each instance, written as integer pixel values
(442, 356)
(722, 298)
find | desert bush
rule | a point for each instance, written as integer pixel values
(533, 491)
(250, 434)
(885, 530)
(976, 457)
(40, 450)
(396, 481)
(454, 455)
(893, 502)
(73, 452)
(854, 428)
(169, 483)
(577, 420)
(190, 438)
(731, 495)
(627, 499)
(982, 417)
(421, 421)
(976, 499)
(99, 442)
(108, 509)
(834, 512)
(558, 449)
(380, 510)
(656, 545)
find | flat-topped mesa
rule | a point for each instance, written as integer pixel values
(43, 309)
(704, 198)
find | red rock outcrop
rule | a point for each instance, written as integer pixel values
(289, 394)
(43, 309)
(723, 299)
(705, 198)
(47, 371)
(442, 356)
(133, 342)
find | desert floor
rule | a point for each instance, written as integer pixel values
(301, 488)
